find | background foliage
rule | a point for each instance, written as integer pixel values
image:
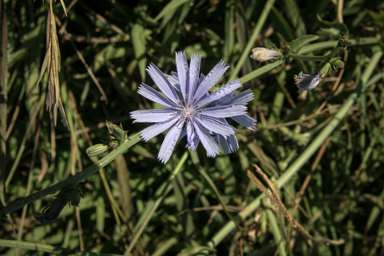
(337, 193)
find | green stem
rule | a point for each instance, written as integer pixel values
(330, 44)
(315, 58)
(306, 155)
(251, 42)
(260, 71)
(76, 178)
(151, 208)
(47, 248)
(307, 57)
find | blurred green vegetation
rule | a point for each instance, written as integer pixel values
(337, 193)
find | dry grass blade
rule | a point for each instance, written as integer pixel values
(64, 8)
(52, 63)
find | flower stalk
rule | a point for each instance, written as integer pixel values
(129, 142)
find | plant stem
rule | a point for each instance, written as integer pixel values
(74, 179)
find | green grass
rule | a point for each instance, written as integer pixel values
(323, 149)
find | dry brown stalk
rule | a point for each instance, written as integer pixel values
(52, 64)
(275, 198)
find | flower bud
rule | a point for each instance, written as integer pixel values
(325, 68)
(337, 63)
(117, 131)
(263, 54)
(97, 150)
(344, 40)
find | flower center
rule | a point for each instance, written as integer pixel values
(188, 112)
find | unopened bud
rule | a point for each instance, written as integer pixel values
(97, 150)
(112, 145)
(337, 63)
(263, 54)
(117, 131)
(325, 68)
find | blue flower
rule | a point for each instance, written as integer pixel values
(307, 82)
(191, 110)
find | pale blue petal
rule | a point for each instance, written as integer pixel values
(229, 144)
(208, 142)
(169, 141)
(153, 95)
(216, 126)
(210, 80)
(241, 98)
(224, 143)
(219, 93)
(192, 138)
(182, 135)
(223, 100)
(182, 71)
(153, 115)
(153, 130)
(174, 80)
(193, 75)
(245, 121)
(162, 82)
(223, 111)
(233, 143)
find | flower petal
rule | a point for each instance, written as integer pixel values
(169, 141)
(208, 142)
(224, 143)
(241, 98)
(210, 80)
(233, 143)
(153, 95)
(153, 115)
(229, 144)
(162, 82)
(216, 126)
(307, 82)
(192, 138)
(194, 70)
(220, 93)
(153, 130)
(182, 72)
(223, 111)
(174, 80)
(245, 121)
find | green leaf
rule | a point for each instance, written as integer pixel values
(301, 41)
(138, 41)
(169, 8)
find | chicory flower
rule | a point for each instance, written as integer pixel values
(191, 110)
